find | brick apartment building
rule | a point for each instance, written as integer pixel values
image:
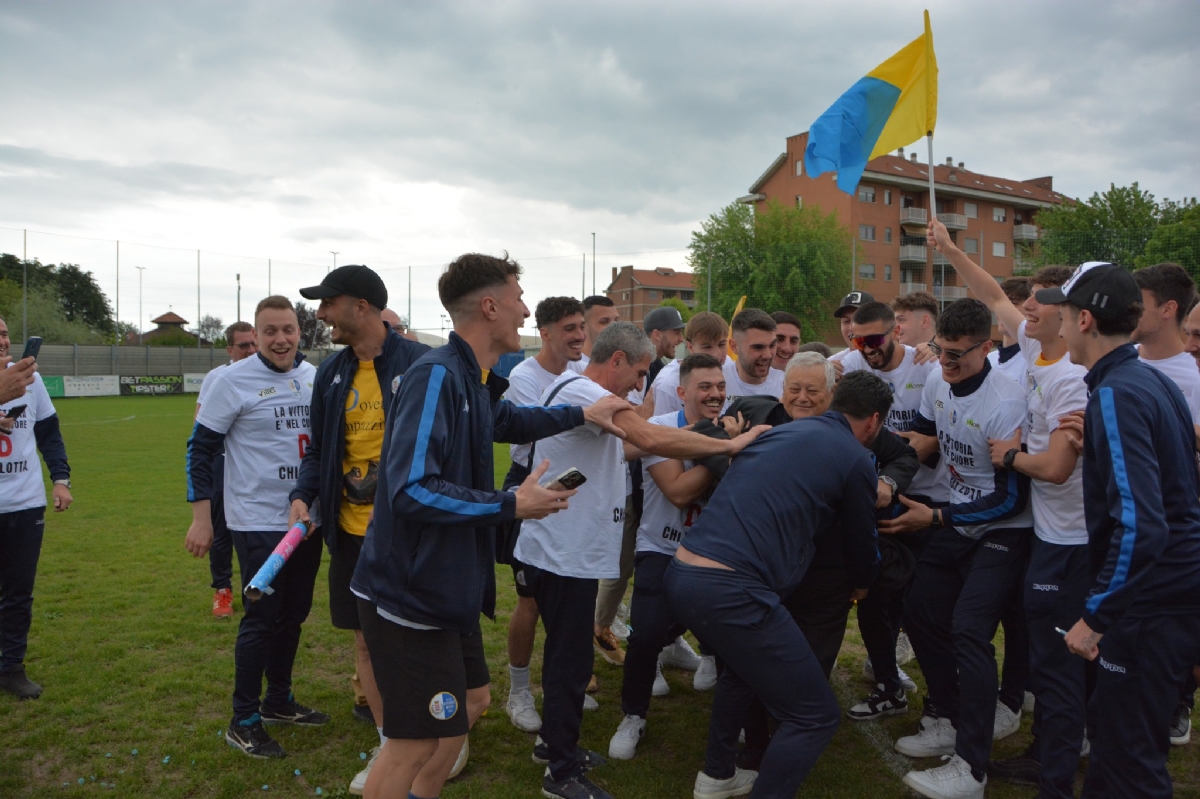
(988, 217)
(636, 292)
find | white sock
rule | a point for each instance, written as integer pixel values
(382, 737)
(518, 679)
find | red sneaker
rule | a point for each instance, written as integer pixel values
(223, 603)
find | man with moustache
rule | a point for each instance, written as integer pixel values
(753, 344)
(245, 411)
(844, 313)
(351, 396)
(560, 323)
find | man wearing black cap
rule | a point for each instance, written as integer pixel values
(844, 314)
(1141, 622)
(351, 394)
(665, 327)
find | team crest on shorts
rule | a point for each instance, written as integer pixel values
(443, 706)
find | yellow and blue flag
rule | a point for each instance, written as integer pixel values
(893, 106)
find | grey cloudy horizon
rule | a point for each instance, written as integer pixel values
(406, 134)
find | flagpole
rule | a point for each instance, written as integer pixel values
(933, 207)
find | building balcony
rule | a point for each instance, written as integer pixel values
(953, 221)
(912, 253)
(949, 293)
(909, 288)
(1025, 232)
(914, 216)
(940, 260)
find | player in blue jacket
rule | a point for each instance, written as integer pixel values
(426, 570)
(1141, 622)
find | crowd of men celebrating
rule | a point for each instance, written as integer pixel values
(755, 492)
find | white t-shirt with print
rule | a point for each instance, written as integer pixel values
(21, 486)
(585, 539)
(907, 382)
(207, 384)
(964, 424)
(264, 416)
(1053, 390)
(663, 525)
(666, 399)
(1183, 372)
(526, 384)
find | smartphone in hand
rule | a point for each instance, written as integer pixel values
(33, 345)
(571, 478)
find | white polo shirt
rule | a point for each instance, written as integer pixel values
(21, 486)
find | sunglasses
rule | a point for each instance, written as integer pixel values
(953, 355)
(871, 342)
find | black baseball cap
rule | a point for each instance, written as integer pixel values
(1105, 289)
(852, 301)
(354, 280)
(665, 318)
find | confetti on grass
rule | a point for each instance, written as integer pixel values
(297, 772)
(167, 759)
(362, 755)
(134, 753)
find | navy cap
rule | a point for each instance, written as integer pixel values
(852, 301)
(664, 318)
(354, 280)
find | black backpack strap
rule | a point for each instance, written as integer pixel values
(546, 404)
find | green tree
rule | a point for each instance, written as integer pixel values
(45, 315)
(172, 338)
(780, 258)
(1178, 242)
(313, 332)
(76, 292)
(679, 305)
(1114, 226)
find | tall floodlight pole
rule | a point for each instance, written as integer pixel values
(24, 285)
(198, 337)
(118, 311)
(239, 301)
(583, 286)
(410, 321)
(141, 329)
(268, 276)
(593, 263)
(335, 255)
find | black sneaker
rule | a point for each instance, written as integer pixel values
(586, 757)
(572, 788)
(879, 703)
(250, 736)
(363, 713)
(293, 713)
(1024, 769)
(1181, 725)
(20, 686)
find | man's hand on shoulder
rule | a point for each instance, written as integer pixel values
(536, 502)
(601, 413)
(738, 444)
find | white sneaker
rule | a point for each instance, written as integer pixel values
(906, 682)
(705, 678)
(1007, 722)
(522, 712)
(951, 781)
(360, 779)
(904, 650)
(660, 682)
(590, 703)
(624, 742)
(460, 762)
(935, 737)
(740, 784)
(1029, 703)
(680, 654)
(620, 629)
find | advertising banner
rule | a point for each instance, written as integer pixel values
(151, 384)
(54, 386)
(94, 386)
(192, 382)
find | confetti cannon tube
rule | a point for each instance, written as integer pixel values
(261, 583)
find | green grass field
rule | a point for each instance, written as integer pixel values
(125, 644)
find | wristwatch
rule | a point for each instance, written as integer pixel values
(63, 482)
(883, 478)
(1009, 457)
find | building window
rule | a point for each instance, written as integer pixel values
(999, 214)
(867, 194)
(887, 272)
(799, 201)
(998, 249)
(652, 295)
(624, 295)
(668, 294)
(971, 245)
(799, 167)
(866, 271)
(887, 235)
(866, 232)
(887, 196)
(971, 210)
(687, 296)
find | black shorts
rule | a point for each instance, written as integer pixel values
(343, 604)
(423, 675)
(519, 580)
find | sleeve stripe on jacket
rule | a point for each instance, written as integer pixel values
(1108, 411)
(1011, 489)
(417, 473)
(191, 491)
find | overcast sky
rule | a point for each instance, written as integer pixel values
(405, 134)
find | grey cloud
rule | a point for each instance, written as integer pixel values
(312, 235)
